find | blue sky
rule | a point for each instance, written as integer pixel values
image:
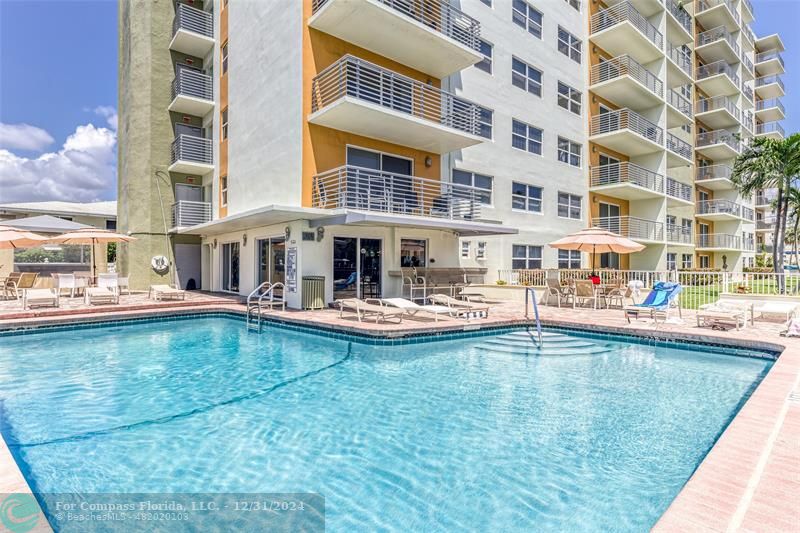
(58, 93)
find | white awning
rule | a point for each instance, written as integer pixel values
(44, 224)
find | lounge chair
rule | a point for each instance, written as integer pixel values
(736, 317)
(787, 309)
(661, 299)
(14, 285)
(366, 308)
(731, 307)
(106, 291)
(412, 308)
(159, 292)
(39, 297)
(467, 309)
(65, 282)
(585, 291)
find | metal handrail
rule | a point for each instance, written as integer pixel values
(679, 146)
(680, 14)
(680, 58)
(716, 103)
(770, 127)
(192, 83)
(625, 172)
(191, 148)
(768, 56)
(719, 240)
(715, 68)
(720, 206)
(631, 227)
(626, 66)
(679, 234)
(387, 192)
(765, 224)
(704, 5)
(435, 14)
(194, 20)
(621, 119)
(709, 138)
(767, 80)
(679, 102)
(530, 291)
(625, 12)
(187, 213)
(770, 103)
(712, 172)
(356, 78)
(715, 34)
(676, 189)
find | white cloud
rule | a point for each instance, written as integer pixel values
(83, 170)
(24, 137)
(109, 113)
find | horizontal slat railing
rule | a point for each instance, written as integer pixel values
(625, 12)
(679, 190)
(194, 84)
(719, 206)
(679, 102)
(632, 227)
(680, 14)
(716, 103)
(716, 68)
(705, 5)
(681, 58)
(194, 149)
(710, 138)
(679, 146)
(719, 240)
(626, 66)
(717, 34)
(186, 213)
(713, 172)
(625, 172)
(191, 19)
(385, 192)
(621, 119)
(355, 78)
(435, 14)
(679, 234)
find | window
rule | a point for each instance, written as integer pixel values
(526, 137)
(569, 45)
(569, 152)
(486, 63)
(526, 197)
(524, 257)
(225, 57)
(569, 205)
(480, 253)
(686, 261)
(413, 252)
(465, 246)
(487, 2)
(111, 225)
(480, 181)
(223, 190)
(526, 17)
(224, 121)
(569, 98)
(575, 4)
(526, 77)
(671, 261)
(569, 259)
(609, 260)
(705, 261)
(485, 117)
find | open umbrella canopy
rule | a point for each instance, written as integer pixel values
(597, 241)
(15, 238)
(90, 236)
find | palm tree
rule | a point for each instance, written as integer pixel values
(770, 164)
(792, 236)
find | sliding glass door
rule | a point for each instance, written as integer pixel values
(271, 260)
(356, 267)
(230, 267)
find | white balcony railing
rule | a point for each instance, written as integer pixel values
(680, 14)
(719, 240)
(766, 128)
(679, 146)
(769, 56)
(716, 103)
(385, 192)
(714, 172)
(679, 102)
(435, 14)
(681, 57)
(717, 34)
(186, 213)
(193, 149)
(355, 78)
(725, 207)
(191, 83)
(679, 190)
(768, 80)
(705, 5)
(624, 172)
(715, 68)
(769, 103)
(191, 19)
(710, 138)
(632, 227)
(622, 119)
(747, 91)
(679, 234)
(626, 66)
(625, 12)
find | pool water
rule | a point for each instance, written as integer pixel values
(480, 433)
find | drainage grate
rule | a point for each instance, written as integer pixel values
(794, 397)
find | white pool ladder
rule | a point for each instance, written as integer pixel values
(263, 297)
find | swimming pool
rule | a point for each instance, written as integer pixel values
(476, 433)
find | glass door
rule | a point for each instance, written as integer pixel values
(271, 260)
(370, 268)
(345, 267)
(230, 267)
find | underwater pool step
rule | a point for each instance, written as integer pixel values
(527, 341)
(545, 350)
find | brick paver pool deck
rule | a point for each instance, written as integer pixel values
(749, 481)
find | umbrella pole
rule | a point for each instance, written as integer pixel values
(94, 263)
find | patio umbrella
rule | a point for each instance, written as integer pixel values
(597, 241)
(91, 236)
(15, 238)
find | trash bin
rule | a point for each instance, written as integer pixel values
(313, 292)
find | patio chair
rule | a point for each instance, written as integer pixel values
(39, 298)
(14, 287)
(554, 289)
(105, 292)
(585, 292)
(10, 281)
(123, 282)
(731, 307)
(366, 308)
(661, 299)
(159, 292)
(412, 308)
(65, 282)
(471, 308)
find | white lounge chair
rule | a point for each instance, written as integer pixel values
(123, 282)
(788, 309)
(159, 292)
(105, 292)
(366, 308)
(65, 282)
(461, 307)
(734, 308)
(39, 298)
(412, 308)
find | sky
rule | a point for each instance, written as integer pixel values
(58, 93)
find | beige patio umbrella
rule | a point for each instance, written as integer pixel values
(597, 241)
(15, 238)
(91, 236)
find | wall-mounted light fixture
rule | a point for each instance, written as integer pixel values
(244, 239)
(320, 233)
(428, 161)
(215, 244)
(287, 232)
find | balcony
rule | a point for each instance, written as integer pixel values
(679, 152)
(769, 63)
(679, 66)
(185, 213)
(765, 225)
(718, 112)
(748, 71)
(772, 130)
(718, 144)
(770, 87)
(192, 31)
(681, 235)
(747, 92)
(770, 110)
(627, 132)
(747, 12)
(679, 21)
(350, 187)
(192, 155)
(626, 180)
(621, 30)
(717, 44)
(748, 245)
(431, 36)
(637, 229)
(624, 81)
(764, 200)
(360, 97)
(713, 13)
(679, 110)
(678, 194)
(192, 93)
(718, 242)
(721, 209)
(715, 177)
(770, 42)
(718, 79)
